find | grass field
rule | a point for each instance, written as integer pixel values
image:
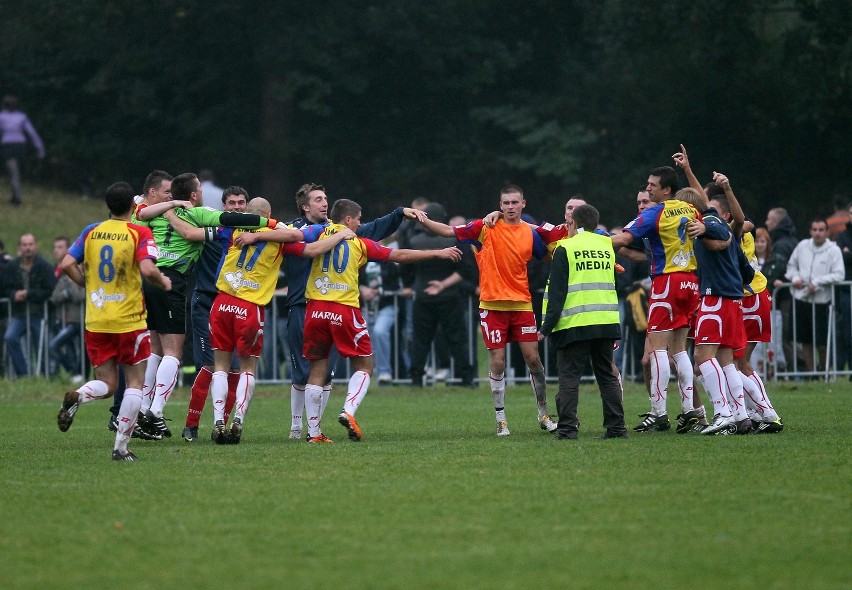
(430, 499)
(47, 213)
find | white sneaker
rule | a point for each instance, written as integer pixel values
(546, 423)
(503, 428)
(385, 378)
(77, 379)
(719, 424)
(295, 434)
(442, 374)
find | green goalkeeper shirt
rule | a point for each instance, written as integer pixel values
(180, 254)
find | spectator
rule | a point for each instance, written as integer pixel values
(16, 129)
(32, 282)
(212, 194)
(782, 230)
(6, 275)
(843, 300)
(67, 298)
(438, 300)
(815, 265)
(838, 220)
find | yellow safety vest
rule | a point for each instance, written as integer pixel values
(591, 298)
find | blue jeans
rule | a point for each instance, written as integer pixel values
(63, 349)
(381, 326)
(15, 331)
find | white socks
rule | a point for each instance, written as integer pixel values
(358, 384)
(245, 390)
(684, 380)
(150, 381)
(218, 393)
(297, 405)
(127, 414)
(166, 381)
(736, 398)
(660, 373)
(313, 405)
(713, 384)
(756, 393)
(91, 391)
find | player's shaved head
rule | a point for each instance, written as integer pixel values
(259, 206)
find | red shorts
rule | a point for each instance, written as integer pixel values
(673, 301)
(500, 327)
(756, 316)
(129, 348)
(236, 324)
(720, 321)
(327, 323)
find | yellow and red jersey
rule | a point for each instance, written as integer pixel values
(334, 276)
(111, 252)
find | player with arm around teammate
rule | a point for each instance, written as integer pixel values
(333, 315)
(246, 282)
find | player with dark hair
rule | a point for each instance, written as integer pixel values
(333, 315)
(177, 255)
(115, 255)
(246, 281)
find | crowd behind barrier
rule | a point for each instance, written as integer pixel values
(776, 360)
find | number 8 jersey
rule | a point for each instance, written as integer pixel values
(111, 252)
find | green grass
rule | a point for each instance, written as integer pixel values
(48, 213)
(430, 499)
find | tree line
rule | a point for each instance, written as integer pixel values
(449, 99)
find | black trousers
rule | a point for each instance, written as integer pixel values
(427, 316)
(571, 361)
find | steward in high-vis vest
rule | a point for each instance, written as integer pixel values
(581, 317)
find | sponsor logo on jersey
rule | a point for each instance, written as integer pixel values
(168, 255)
(100, 297)
(236, 280)
(324, 285)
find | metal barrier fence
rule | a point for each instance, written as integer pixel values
(819, 335)
(779, 359)
(36, 331)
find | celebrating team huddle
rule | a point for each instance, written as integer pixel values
(704, 287)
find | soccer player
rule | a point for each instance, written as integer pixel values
(756, 308)
(246, 282)
(333, 315)
(177, 256)
(674, 293)
(719, 327)
(312, 203)
(505, 307)
(113, 254)
(234, 198)
(756, 300)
